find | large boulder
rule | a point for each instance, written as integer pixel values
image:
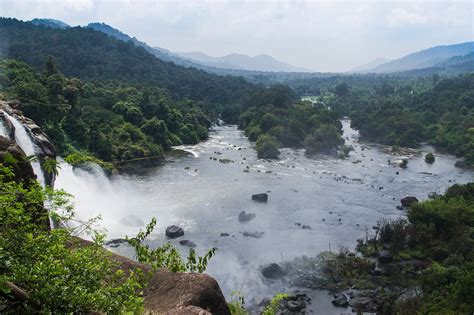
(244, 216)
(408, 201)
(174, 293)
(272, 271)
(385, 257)
(174, 231)
(340, 300)
(260, 197)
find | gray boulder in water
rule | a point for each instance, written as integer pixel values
(243, 216)
(408, 201)
(260, 197)
(272, 271)
(187, 243)
(174, 231)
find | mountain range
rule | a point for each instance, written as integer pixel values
(448, 58)
(423, 59)
(242, 62)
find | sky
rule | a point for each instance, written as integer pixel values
(313, 34)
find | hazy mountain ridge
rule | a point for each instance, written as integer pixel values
(370, 65)
(50, 23)
(260, 62)
(425, 58)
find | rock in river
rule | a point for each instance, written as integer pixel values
(260, 197)
(385, 257)
(340, 300)
(408, 201)
(272, 271)
(243, 216)
(174, 231)
(254, 234)
(187, 243)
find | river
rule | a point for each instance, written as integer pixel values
(339, 199)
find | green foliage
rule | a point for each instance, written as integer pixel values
(110, 120)
(276, 112)
(236, 304)
(80, 158)
(404, 163)
(274, 305)
(58, 274)
(429, 158)
(267, 147)
(167, 256)
(323, 140)
(405, 112)
(438, 231)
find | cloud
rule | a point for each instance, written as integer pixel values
(322, 35)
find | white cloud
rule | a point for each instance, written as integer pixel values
(322, 35)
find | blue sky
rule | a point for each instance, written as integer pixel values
(319, 35)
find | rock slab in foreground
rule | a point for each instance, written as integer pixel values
(260, 197)
(175, 293)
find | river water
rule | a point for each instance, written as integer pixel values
(339, 199)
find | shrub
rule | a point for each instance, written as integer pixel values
(267, 147)
(429, 158)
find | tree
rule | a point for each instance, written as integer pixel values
(267, 147)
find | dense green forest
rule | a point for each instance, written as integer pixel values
(118, 102)
(113, 120)
(436, 110)
(277, 118)
(88, 54)
(437, 235)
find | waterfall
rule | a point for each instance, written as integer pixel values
(3, 130)
(23, 139)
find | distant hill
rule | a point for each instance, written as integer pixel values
(242, 62)
(50, 23)
(88, 54)
(369, 66)
(160, 53)
(425, 58)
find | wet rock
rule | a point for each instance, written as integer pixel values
(408, 201)
(174, 231)
(260, 197)
(400, 207)
(187, 243)
(244, 216)
(306, 227)
(362, 303)
(272, 271)
(224, 234)
(116, 242)
(254, 234)
(295, 306)
(340, 300)
(384, 257)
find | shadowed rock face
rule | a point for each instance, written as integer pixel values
(23, 170)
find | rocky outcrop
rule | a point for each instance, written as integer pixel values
(408, 201)
(174, 231)
(22, 168)
(175, 293)
(44, 145)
